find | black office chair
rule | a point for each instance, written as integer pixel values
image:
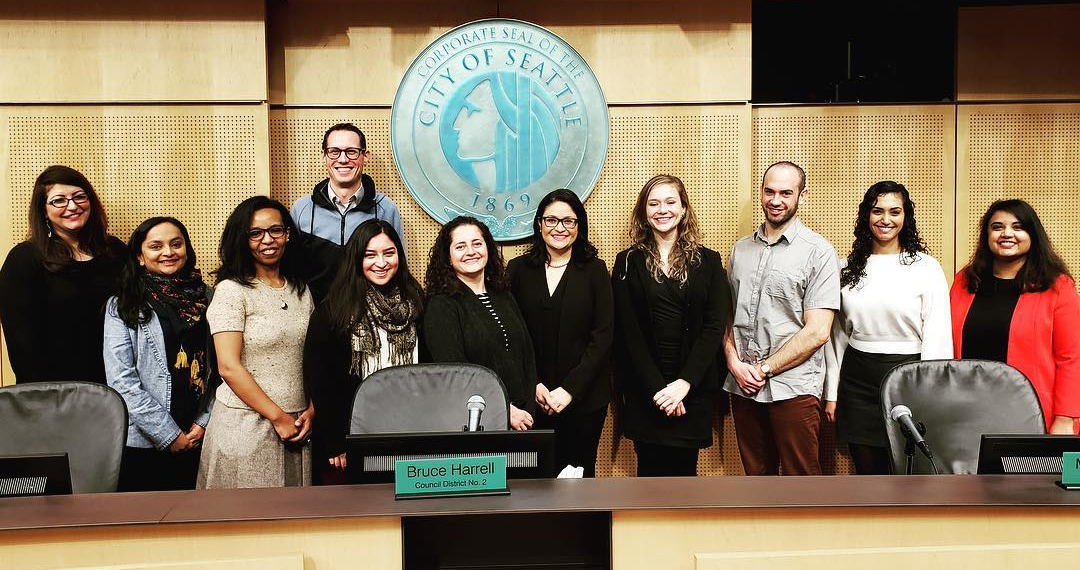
(428, 397)
(84, 419)
(958, 401)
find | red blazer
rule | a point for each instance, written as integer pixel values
(1044, 342)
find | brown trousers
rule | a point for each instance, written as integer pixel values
(778, 433)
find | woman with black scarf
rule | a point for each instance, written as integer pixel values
(157, 356)
(367, 322)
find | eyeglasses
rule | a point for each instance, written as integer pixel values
(352, 153)
(552, 221)
(61, 202)
(256, 234)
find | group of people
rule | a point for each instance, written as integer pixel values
(249, 383)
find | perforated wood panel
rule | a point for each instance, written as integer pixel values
(846, 149)
(192, 162)
(707, 146)
(1019, 151)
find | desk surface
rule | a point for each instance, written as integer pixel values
(539, 495)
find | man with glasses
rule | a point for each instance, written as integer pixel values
(338, 204)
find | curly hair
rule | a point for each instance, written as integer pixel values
(583, 249)
(687, 249)
(441, 279)
(1041, 268)
(910, 242)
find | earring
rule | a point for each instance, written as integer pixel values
(49, 225)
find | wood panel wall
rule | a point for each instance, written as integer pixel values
(1007, 53)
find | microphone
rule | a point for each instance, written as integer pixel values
(902, 415)
(475, 406)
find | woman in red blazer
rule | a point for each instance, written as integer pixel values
(1016, 303)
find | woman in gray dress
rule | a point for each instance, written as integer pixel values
(258, 434)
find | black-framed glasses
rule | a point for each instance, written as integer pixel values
(256, 234)
(552, 221)
(61, 202)
(352, 153)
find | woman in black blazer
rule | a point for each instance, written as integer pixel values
(672, 305)
(565, 297)
(472, 317)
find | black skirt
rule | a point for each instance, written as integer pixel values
(859, 418)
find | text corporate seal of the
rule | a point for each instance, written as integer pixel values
(492, 116)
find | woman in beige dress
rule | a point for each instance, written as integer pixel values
(257, 436)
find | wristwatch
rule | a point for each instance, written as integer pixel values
(765, 369)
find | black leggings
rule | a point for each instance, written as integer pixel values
(654, 460)
(870, 459)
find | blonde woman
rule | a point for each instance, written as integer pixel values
(672, 306)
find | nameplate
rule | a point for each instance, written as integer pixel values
(450, 476)
(1070, 470)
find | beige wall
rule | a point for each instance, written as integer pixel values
(132, 50)
(265, 82)
(641, 51)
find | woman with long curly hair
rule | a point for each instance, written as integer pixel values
(472, 317)
(367, 322)
(894, 308)
(672, 306)
(1016, 303)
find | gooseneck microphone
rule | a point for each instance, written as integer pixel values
(475, 407)
(902, 415)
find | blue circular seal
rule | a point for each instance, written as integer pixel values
(492, 116)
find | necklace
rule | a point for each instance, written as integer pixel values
(284, 303)
(557, 266)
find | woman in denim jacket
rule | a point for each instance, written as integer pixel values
(157, 356)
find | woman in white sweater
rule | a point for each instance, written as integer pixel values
(894, 308)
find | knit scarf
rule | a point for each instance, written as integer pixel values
(185, 295)
(391, 313)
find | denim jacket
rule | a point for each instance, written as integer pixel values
(135, 367)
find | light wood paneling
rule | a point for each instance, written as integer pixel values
(343, 53)
(688, 51)
(326, 544)
(1019, 151)
(677, 540)
(130, 50)
(995, 556)
(192, 162)
(294, 562)
(1018, 52)
(340, 52)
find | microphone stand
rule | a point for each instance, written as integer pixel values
(909, 448)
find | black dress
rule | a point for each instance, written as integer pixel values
(54, 321)
(572, 331)
(643, 367)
